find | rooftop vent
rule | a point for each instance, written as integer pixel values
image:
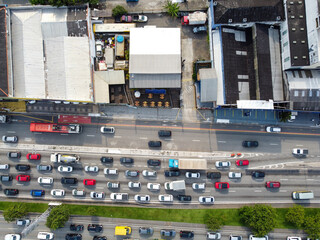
(292, 17)
(295, 57)
(294, 42)
(230, 20)
(291, 3)
(293, 29)
(304, 57)
(244, 20)
(300, 2)
(215, 3)
(301, 29)
(303, 41)
(301, 16)
(278, 18)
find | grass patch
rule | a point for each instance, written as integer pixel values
(161, 214)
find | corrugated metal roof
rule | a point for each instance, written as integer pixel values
(155, 81)
(209, 86)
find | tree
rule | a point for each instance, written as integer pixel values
(118, 11)
(59, 3)
(284, 116)
(58, 217)
(91, 211)
(214, 221)
(312, 226)
(15, 211)
(260, 218)
(172, 8)
(296, 215)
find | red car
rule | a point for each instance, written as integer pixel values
(221, 185)
(23, 178)
(242, 163)
(89, 182)
(33, 156)
(271, 184)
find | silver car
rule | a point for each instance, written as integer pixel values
(235, 175)
(134, 184)
(198, 186)
(147, 173)
(65, 169)
(10, 139)
(213, 235)
(91, 168)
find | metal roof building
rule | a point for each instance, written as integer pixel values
(4, 86)
(155, 58)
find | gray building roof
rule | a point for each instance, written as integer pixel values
(4, 88)
(155, 80)
(241, 11)
(208, 85)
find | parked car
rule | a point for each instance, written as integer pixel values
(12, 236)
(57, 192)
(10, 139)
(11, 192)
(37, 193)
(146, 230)
(192, 175)
(99, 238)
(66, 169)
(80, 193)
(91, 168)
(153, 186)
(33, 156)
(221, 185)
(139, 18)
(273, 129)
(126, 160)
(45, 180)
(213, 235)
(199, 186)
(172, 173)
(65, 180)
(106, 159)
(252, 237)
(164, 133)
(23, 178)
(165, 198)
(147, 173)
(186, 234)
(76, 227)
(14, 154)
(4, 166)
(243, 162)
(73, 236)
(105, 129)
(206, 199)
(110, 171)
(184, 198)
(97, 195)
(200, 29)
(44, 167)
(167, 232)
(132, 173)
(23, 222)
(154, 162)
(258, 174)
(22, 167)
(95, 228)
(6, 178)
(271, 184)
(213, 175)
(89, 182)
(223, 164)
(250, 144)
(46, 236)
(235, 175)
(113, 185)
(126, 19)
(119, 196)
(142, 198)
(134, 184)
(154, 144)
(231, 237)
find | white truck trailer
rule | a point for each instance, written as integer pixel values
(175, 185)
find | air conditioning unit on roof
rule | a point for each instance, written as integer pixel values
(230, 20)
(244, 20)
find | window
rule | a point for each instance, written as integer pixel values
(286, 59)
(302, 93)
(310, 93)
(318, 93)
(284, 32)
(285, 44)
(296, 93)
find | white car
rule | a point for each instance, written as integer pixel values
(213, 235)
(235, 175)
(153, 186)
(221, 164)
(273, 129)
(134, 184)
(206, 199)
(12, 236)
(23, 222)
(65, 169)
(147, 173)
(231, 237)
(57, 192)
(198, 186)
(252, 237)
(119, 196)
(91, 168)
(107, 129)
(192, 175)
(45, 180)
(45, 235)
(293, 238)
(97, 195)
(76, 192)
(110, 171)
(165, 198)
(142, 198)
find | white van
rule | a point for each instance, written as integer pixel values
(45, 235)
(4, 166)
(273, 129)
(302, 195)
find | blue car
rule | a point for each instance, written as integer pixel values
(37, 193)
(132, 0)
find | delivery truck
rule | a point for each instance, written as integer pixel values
(175, 185)
(192, 164)
(196, 18)
(122, 230)
(64, 158)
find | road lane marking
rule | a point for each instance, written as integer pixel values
(39, 133)
(195, 140)
(274, 144)
(310, 179)
(284, 179)
(221, 141)
(143, 138)
(11, 131)
(28, 139)
(90, 135)
(64, 134)
(232, 191)
(257, 190)
(283, 190)
(117, 136)
(168, 139)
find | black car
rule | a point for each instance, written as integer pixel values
(186, 234)
(126, 160)
(164, 133)
(171, 173)
(11, 192)
(257, 174)
(77, 228)
(154, 144)
(213, 175)
(22, 167)
(106, 159)
(184, 198)
(95, 228)
(154, 162)
(66, 180)
(250, 144)
(6, 178)
(99, 238)
(14, 154)
(73, 236)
